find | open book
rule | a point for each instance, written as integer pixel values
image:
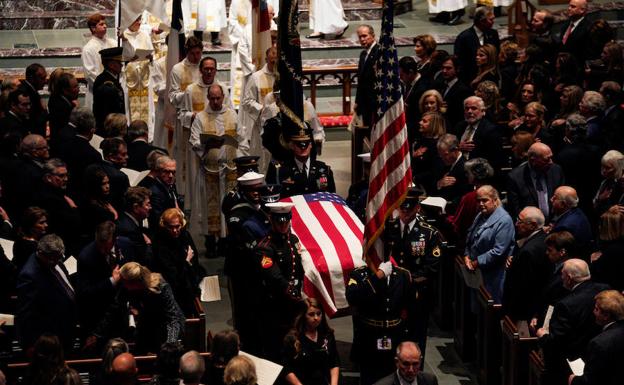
(228, 140)
(7, 245)
(134, 176)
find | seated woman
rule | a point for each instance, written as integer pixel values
(311, 354)
(607, 264)
(34, 226)
(148, 297)
(176, 258)
(490, 241)
(97, 207)
(47, 366)
(225, 346)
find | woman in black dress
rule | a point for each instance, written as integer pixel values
(34, 225)
(311, 357)
(97, 207)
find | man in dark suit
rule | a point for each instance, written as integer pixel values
(45, 296)
(130, 223)
(138, 148)
(574, 34)
(301, 174)
(479, 34)
(528, 269)
(453, 90)
(115, 153)
(365, 98)
(451, 182)
(17, 120)
(478, 137)
(78, 152)
(533, 182)
(163, 189)
(605, 352)
(108, 96)
(99, 264)
(572, 324)
(541, 33)
(414, 85)
(408, 366)
(567, 216)
(62, 101)
(36, 78)
(613, 117)
(27, 175)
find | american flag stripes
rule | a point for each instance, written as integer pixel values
(331, 236)
(390, 173)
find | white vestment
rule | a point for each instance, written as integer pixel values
(327, 16)
(437, 6)
(211, 15)
(140, 102)
(182, 75)
(218, 170)
(240, 31)
(158, 82)
(92, 63)
(259, 85)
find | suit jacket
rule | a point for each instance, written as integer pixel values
(609, 267)
(95, 290)
(295, 182)
(526, 277)
(43, 305)
(575, 221)
(26, 178)
(454, 99)
(137, 154)
(521, 190)
(108, 97)
(163, 198)
(604, 358)
(611, 123)
(60, 108)
(132, 229)
(78, 154)
(578, 43)
(365, 96)
(15, 124)
(466, 45)
(412, 111)
(487, 140)
(63, 220)
(422, 378)
(572, 326)
(38, 113)
(455, 192)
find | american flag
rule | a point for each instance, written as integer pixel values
(331, 239)
(261, 27)
(390, 173)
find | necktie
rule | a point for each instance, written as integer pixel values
(362, 61)
(448, 87)
(542, 194)
(567, 33)
(405, 231)
(304, 170)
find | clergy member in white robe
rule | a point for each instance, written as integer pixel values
(158, 83)
(327, 18)
(183, 74)
(242, 65)
(138, 51)
(195, 101)
(218, 170)
(258, 86)
(91, 60)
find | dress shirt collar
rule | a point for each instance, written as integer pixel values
(607, 325)
(369, 49)
(479, 34)
(410, 225)
(403, 381)
(300, 165)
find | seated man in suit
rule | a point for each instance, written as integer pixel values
(138, 148)
(567, 216)
(479, 138)
(408, 366)
(572, 324)
(605, 352)
(533, 182)
(46, 300)
(164, 190)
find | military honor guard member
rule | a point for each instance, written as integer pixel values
(108, 96)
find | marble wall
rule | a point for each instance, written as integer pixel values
(50, 14)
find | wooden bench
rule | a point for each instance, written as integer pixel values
(517, 343)
(537, 369)
(488, 339)
(195, 337)
(443, 311)
(464, 328)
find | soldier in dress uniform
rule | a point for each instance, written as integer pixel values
(416, 246)
(279, 256)
(247, 224)
(301, 174)
(380, 300)
(244, 164)
(108, 96)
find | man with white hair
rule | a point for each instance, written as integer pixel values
(479, 138)
(568, 217)
(592, 106)
(192, 368)
(572, 324)
(528, 269)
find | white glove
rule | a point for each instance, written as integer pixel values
(386, 267)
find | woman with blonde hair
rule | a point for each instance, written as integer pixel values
(533, 119)
(431, 101)
(424, 149)
(240, 371)
(149, 299)
(607, 264)
(487, 65)
(489, 92)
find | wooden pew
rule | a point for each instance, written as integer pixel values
(463, 319)
(195, 336)
(443, 310)
(516, 344)
(536, 368)
(488, 339)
